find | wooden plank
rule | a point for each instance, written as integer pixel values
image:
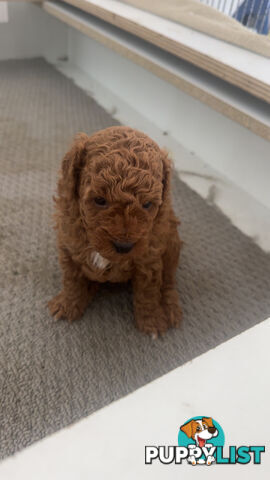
(235, 65)
(224, 98)
(202, 17)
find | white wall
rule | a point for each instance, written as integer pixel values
(30, 32)
(225, 145)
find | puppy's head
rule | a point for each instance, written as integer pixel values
(200, 430)
(117, 181)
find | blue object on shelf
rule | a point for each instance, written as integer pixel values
(255, 14)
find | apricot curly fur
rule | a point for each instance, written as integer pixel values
(128, 170)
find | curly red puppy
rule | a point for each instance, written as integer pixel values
(115, 223)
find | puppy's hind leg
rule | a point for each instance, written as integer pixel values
(169, 294)
(77, 291)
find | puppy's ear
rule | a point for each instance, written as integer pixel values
(72, 165)
(208, 421)
(188, 428)
(167, 167)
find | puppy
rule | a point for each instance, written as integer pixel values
(115, 223)
(201, 431)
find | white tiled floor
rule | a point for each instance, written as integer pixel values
(229, 383)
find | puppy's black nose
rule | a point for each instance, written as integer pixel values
(123, 247)
(211, 429)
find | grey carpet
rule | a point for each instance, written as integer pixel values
(52, 374)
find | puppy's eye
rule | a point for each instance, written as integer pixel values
(100, 201)
(147, 205)
(198, 429)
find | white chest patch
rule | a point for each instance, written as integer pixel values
(99, 261)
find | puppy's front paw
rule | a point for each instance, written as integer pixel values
(153, 322)
(210, 460)
(61, 307)
(172, 309)
(192, 460)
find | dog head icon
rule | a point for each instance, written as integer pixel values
(201, 430)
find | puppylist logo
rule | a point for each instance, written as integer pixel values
(201, 442)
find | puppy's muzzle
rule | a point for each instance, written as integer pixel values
(123, 247)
